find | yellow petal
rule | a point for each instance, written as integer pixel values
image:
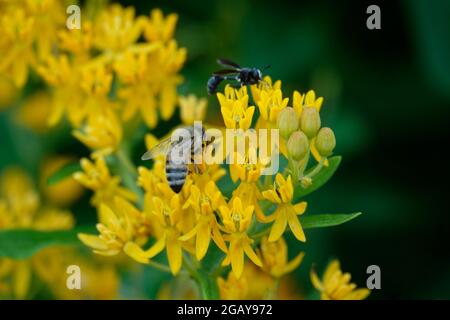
(236, 257)
(295, 226)
(294, 263)
(300, 207)
(315, 280)
(174, 255)
(218, 239)
(92, 241)
(278, 226)
(157, 247)
(251, 254)
(189, 235)
(271, 195)
(358, 294)
(136, 252)
(331, 269)
(202, 241)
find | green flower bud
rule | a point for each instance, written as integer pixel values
(310, 121)
(305, 182)
(287, 122)
(297, 145)
(325, 142)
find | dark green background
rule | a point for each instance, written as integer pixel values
(387, 95)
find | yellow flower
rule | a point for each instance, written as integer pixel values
(34, 113)
(270, 104)
(204, 204)
(265, 85)
(167, 215)
(253, 285)
(96, 176)
(64, 78)
(102, 133)
(286, 213)
(16, 41)
(274, 256)
(234, 107)
(192, 109)
(158, 28)
(49, 17)
(115, 226)
(77, 41)
(336, 285)
(116, 28)
(299, 101)
(236, 220)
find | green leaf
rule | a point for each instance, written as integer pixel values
(319, 179)
(327, 220)
(63, 173)
(23, 243)
(314, 221)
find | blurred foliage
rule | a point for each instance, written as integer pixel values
(387, 94)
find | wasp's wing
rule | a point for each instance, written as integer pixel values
(224, 71)
(228, 63)
(160, 149)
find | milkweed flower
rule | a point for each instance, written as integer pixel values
(336, 285)
(204, 203)
(101, 133)
(158, 27)
(236, 221)
(274, 256)
(115, 226)
(167, 216)
(286, 212)
(234, 107)
(192, 109)
(96, 176)
(116, 28)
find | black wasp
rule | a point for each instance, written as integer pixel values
(234, 72)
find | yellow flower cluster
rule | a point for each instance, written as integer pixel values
(21, 207)
(119, 73)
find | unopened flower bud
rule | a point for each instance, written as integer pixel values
(287, 122)
(325, 142)
(306, 182)
(297, 145)
(310, 121)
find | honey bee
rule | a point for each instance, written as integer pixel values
(177, 163)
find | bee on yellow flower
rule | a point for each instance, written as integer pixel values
(336, 285)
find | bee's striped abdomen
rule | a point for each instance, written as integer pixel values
(176, 175)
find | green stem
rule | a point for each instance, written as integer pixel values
(129, 174)
(317, 168)
(207, 283)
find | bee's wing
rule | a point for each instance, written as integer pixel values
(228, 63)
(160, 149)
(224, 71)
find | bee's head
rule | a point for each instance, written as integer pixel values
(256, 74)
